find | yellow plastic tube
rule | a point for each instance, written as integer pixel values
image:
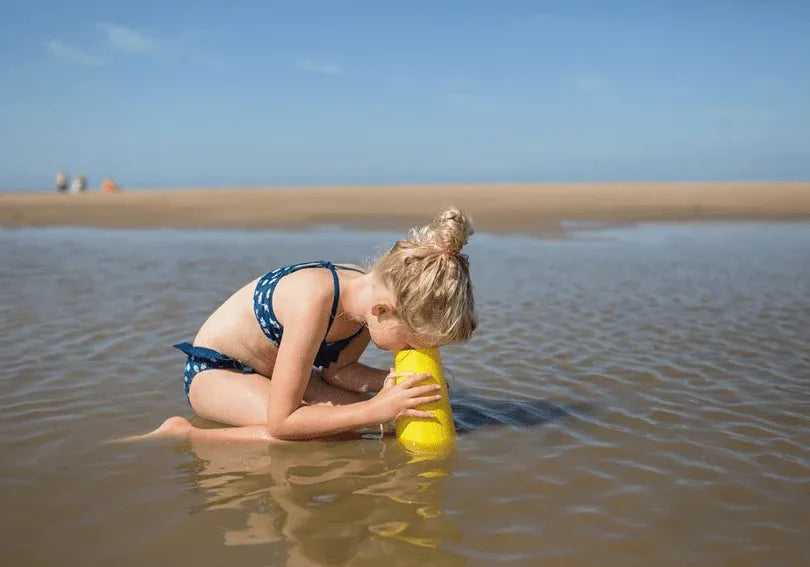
(433, 435)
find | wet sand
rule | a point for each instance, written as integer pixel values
(525, 208)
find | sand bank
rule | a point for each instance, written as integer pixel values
(526, 208)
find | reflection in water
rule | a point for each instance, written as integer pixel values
(323, 504)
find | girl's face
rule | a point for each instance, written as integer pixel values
(389, 334)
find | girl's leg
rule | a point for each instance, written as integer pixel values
(230, 397)
(181, 427)
(234, 398)
(240, 399)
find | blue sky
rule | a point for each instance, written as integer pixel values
(169, 94)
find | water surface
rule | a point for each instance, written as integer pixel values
(634, 396)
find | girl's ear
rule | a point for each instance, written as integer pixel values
(381, 309)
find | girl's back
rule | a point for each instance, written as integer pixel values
(232, 329)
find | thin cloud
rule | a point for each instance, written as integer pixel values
(313, 67)
(72, 54)
(127, 40)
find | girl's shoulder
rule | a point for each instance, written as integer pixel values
(301, 280)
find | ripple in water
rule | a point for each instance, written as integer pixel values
(633, 396)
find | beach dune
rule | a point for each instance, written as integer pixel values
(526, 208)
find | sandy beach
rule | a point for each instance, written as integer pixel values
(526, 208)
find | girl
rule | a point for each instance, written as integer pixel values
(279, 359)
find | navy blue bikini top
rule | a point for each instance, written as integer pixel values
(263, 308)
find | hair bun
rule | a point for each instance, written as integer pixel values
(450, 231)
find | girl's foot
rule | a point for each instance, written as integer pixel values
(174, 427)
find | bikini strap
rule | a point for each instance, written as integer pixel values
(336, 299)
(332, 268)
(349, 268)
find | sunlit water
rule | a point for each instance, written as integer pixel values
(636, 396)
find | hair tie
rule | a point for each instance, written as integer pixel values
(450, 250)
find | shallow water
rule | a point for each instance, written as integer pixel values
(634, 396)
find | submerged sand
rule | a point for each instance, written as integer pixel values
(528, 208)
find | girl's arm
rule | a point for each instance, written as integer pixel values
(288, 419)
(357, 377)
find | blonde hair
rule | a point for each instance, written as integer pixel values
(430, 278)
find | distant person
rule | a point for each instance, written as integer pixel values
(109, 186)
(61, 182)
(79, 184)
(280, 358)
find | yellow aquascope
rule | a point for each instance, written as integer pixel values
(425, 435)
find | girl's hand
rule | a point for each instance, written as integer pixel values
(400, 400)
